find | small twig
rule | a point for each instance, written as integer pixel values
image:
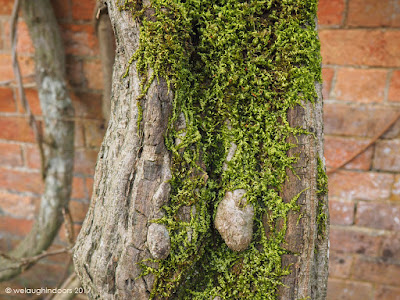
(69, 228)
(26, 261)
(18, 78)
(10, 81)
(365, 147)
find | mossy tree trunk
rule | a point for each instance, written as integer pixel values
(216, 111)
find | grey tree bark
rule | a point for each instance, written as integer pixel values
(131, 185)
(58, 137)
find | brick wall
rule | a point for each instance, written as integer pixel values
(361, 71)
(361, 57)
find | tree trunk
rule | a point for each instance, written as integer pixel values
(210, 180)
(58, 139)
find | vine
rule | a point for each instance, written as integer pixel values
(236, 68)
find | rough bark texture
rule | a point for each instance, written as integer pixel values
(309, 261)
(130, 184)
(58, 132)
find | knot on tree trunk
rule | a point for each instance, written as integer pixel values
(158, 241)
(234, 220)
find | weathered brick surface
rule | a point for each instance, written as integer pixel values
(360, 85)
(340, 149)
(87, 105)
(372, 13)
(340, 264)
(387, 293)
(10, 155)
(6, 7)
(327, 76)
(358, 185)
(15, 129)
(394, 90)
(85, 161)
(331, 12)
(20, 181)
(7, 103)
(17, 205)
(378, 215)
(24, 42)
(387, 156)
(361, 121)
(83, 10)
(376, 270)
(391, 246)
(396, 189)
(79, 39)
(19, 227)
(341, 213)
(360, 47)
(78, 210)
(355, 241)
(349, 290)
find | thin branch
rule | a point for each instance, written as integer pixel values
(18, 79)
(365, 147)
(26, 261)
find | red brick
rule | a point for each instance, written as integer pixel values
(32, 97)
(78, 188)
(394, 90)
(10, 155)
(341, 213)
(20, 227)
(391, 246)
(365, 186)
(339, 149)
(15, 129)
(354, 241)
(79, 39)
(360, 47)
(83, 10)
(396, 189)
(89, 186)
(85, 161)
(393, 132)
(360, 85)
(33, 159)
(6, 70)
(20, 181)
(327, 76)
(17, 205)
(6, 7)
(7, 102)
(94, 132)
(348, 290)
(387, 156)
(78, 210)
(362, 121)
(378, 215)
(330, 12)
(24, 42)
(387, 293)
(87, 105)
(62, 8)
(376, 270)
(372, 13)
(339, 264)
(93, 74)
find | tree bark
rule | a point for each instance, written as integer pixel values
(58, 133)
(132, 183)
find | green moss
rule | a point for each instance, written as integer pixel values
(235, 67)
(322, 190)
